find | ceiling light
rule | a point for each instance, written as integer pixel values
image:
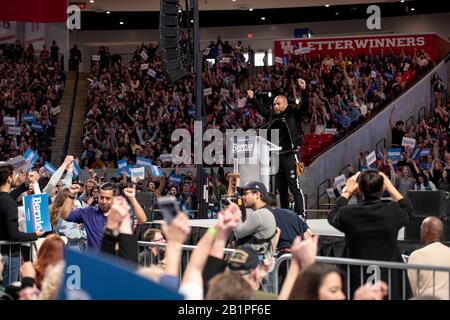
(337, 13)
(402, 1)
(91, 1)
(108, 12)
(233, 0)
(412, 9)
(327, 5)
(251, 9)
(263, 18)
(121, 22)
(192, 21)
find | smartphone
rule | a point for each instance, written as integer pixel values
(169, 207)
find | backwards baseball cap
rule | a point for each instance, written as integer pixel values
(255, 186)
(244, 258)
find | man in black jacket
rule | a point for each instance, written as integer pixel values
(9, 225)
(371, 228)
(286, 119)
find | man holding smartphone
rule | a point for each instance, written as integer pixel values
(285, 119)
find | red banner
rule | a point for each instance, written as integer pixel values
(359, 44)
(42, 11)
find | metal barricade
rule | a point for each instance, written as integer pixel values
(318, 213)
(373, 267)
(145, 253)
(12, 254)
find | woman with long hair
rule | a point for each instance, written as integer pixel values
(75, 233)
(318, 282)
(50, 253)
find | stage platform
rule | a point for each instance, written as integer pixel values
(318, 226)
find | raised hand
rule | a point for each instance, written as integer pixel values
(305, 251)
(352, 183)
(250, 94)
(302, 84)
(68, 160)
(74, 189)
(178, 230)
(129, 193)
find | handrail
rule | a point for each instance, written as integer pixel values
(384, 144)
(319, 195)
(421, 114)
(184, 247)
(343, 169)
(72, 111)
(408, 120)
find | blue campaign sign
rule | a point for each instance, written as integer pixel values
(49, 168)
(424, 152)
(31, 156)
(76, 169)
(122, 164)
(37, 127)
(143, 162)
(394, 153)
(416, 153)
(174, 178)
(90, 276)
(37, 213)
(424, 165)
(156, 171)
(29, 118)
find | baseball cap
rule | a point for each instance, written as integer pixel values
(244, 258)
(256, 186)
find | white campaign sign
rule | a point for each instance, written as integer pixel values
(340, 180)
(371, 158)
(409, 142)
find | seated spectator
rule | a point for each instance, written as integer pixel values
(434, 253)
(155, 255)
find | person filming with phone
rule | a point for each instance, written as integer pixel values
(371, 228)
(285, 119)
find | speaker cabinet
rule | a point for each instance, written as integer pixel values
(425, 204)
(169, 40)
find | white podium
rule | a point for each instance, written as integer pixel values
(254, 158)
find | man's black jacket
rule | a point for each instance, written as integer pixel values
(288, 122)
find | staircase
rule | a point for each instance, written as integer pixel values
(63, 120)
(79, 114)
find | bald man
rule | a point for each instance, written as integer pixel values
(434, 253)
(286, 119)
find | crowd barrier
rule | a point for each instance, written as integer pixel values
(343, 264)
(156, 256)
(346, 264)
(15, 253)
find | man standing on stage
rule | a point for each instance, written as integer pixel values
(285, 118)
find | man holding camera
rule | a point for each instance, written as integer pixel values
(285, 118)
(371, 228)
(257, 226)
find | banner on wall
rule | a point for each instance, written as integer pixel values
(8, 32)
(43, 11)
(359, 44)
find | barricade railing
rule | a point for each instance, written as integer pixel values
(318, 213)
(146, 253)
(373, 269)
(12, 257)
